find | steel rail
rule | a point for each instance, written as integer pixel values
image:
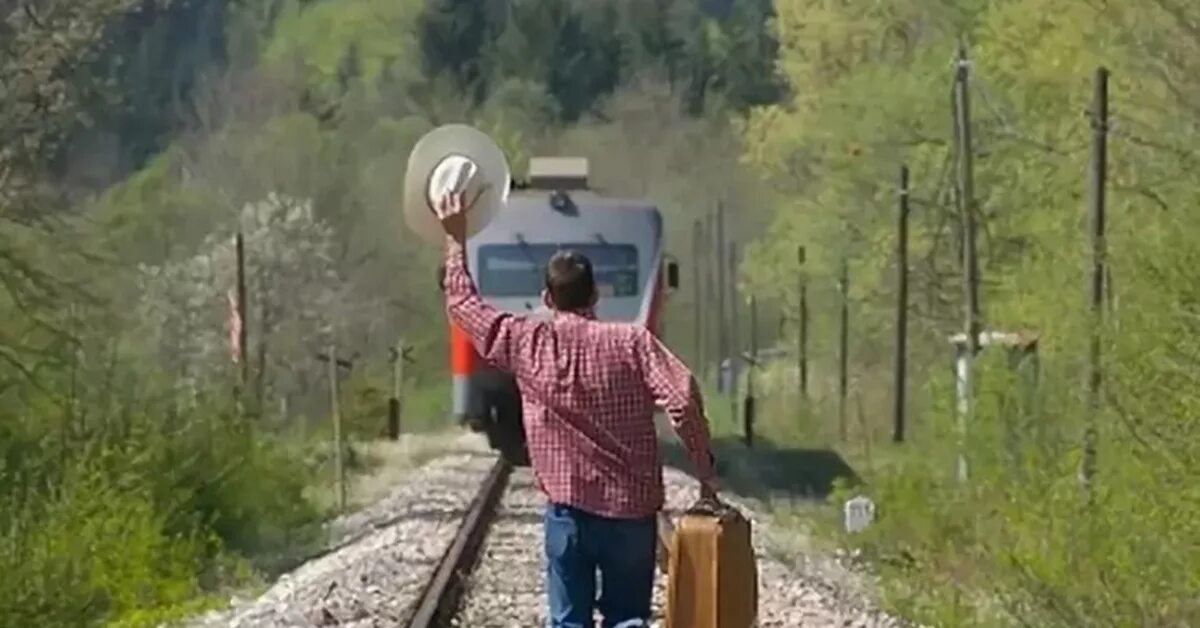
(439, 600)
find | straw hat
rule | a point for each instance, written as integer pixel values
(454, 157)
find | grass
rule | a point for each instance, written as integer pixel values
(425, 429)
(383, 464)
(1015, 546)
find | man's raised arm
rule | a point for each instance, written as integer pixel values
(496, 334)
(677, 393)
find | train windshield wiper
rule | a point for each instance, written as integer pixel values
(533, 263)
(526, 251)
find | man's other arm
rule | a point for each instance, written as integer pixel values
(677, 393)
(495, 334)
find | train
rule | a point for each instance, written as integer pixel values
(554, 209)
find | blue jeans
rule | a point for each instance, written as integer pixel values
(579, 543)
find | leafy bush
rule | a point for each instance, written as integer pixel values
(94, 545)
(139, 517)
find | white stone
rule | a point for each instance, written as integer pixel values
(859, 513)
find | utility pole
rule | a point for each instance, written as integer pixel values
(752, 364)
(722, 344)
(735, 346)
(335, 411)
(1087, 470)
(901, 309)
(697, 295)
(843, 345)
(260, 375)
(244, 377)
(966, 196)
(711, 290)
(399, 354)
(802, 332)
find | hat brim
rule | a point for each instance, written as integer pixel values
(447, 140)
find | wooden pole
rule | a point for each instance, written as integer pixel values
(802, 332)
(901, 309)
(244, 377)
(734, 345)
(1087, 471)
(722, 289)
(711, 289)
(335, 412)
(260, 375)
(748, 407)
(397, 390)
(966, 198)
(843, 345)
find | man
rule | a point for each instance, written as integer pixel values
(589, 390)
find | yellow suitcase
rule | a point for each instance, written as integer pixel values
(712, 574)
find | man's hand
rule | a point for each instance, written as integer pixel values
(453, 216)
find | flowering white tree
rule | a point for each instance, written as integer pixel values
(295, 301)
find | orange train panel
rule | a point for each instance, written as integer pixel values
(462, 352)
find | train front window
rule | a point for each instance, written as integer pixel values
(519, 270)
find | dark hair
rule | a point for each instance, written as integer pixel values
(569, 281)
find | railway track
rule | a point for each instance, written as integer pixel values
(491, 573)
(497, 581)
(459, 544)
(378, 560)
(507, 587)
(438, 603)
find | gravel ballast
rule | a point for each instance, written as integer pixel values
(380, 557)
(507, 589)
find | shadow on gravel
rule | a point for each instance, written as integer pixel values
(769, 470)
(363, 458)
(422, 514)
(522, 517)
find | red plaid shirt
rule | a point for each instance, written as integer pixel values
(589, 392)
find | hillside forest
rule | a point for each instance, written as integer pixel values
(144, 473)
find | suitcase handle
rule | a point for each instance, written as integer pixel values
(713, 507)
